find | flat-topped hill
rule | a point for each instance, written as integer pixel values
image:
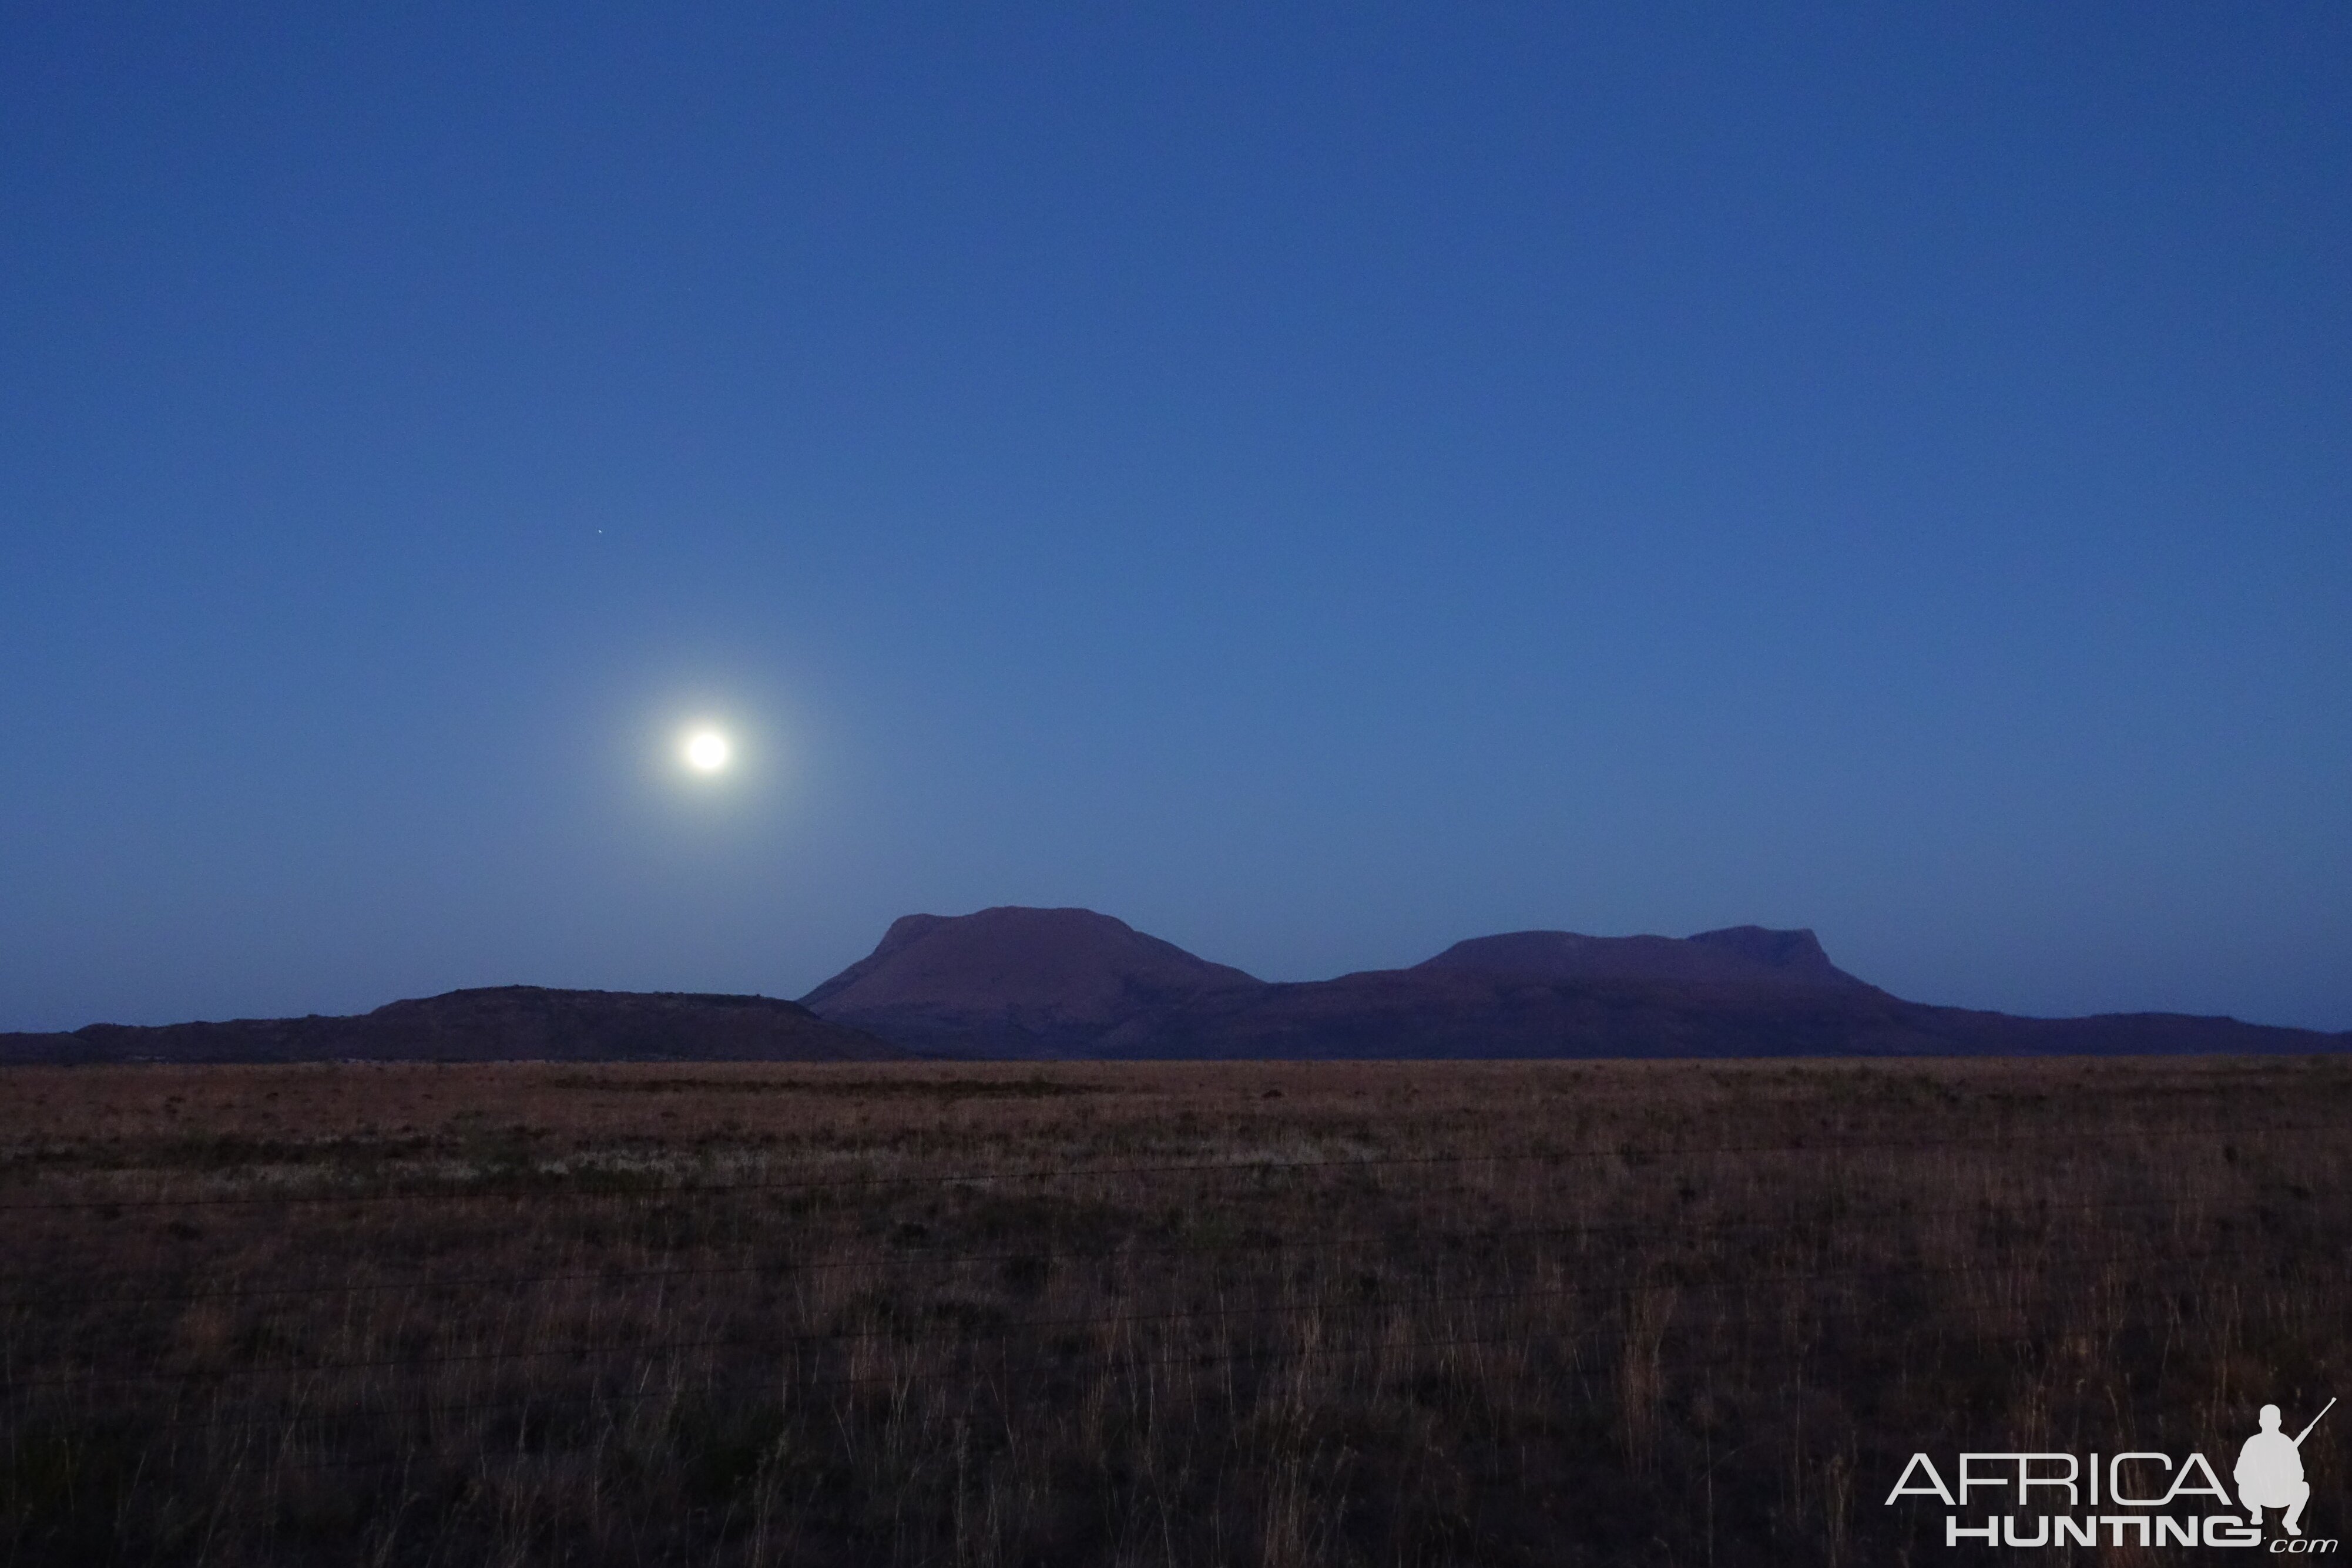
(1020, 981)
(1070, 983)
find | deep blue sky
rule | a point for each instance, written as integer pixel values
(1317, 482)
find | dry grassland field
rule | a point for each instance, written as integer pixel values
(1566, 1313)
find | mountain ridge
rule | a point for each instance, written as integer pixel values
(489, 1023)
(1741, 990)
(1010, 982)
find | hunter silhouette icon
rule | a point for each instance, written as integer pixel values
(2270, 1471)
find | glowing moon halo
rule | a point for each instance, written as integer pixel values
(707, 751)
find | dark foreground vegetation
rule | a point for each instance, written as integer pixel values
(1694, 1313)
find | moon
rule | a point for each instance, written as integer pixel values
(707, 751)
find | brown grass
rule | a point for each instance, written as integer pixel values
(1700, 1313)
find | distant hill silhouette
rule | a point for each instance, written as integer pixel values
(1738, 955)
(1050, 983)
(1068, 983)
(1022, 982)
(504, 1023)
